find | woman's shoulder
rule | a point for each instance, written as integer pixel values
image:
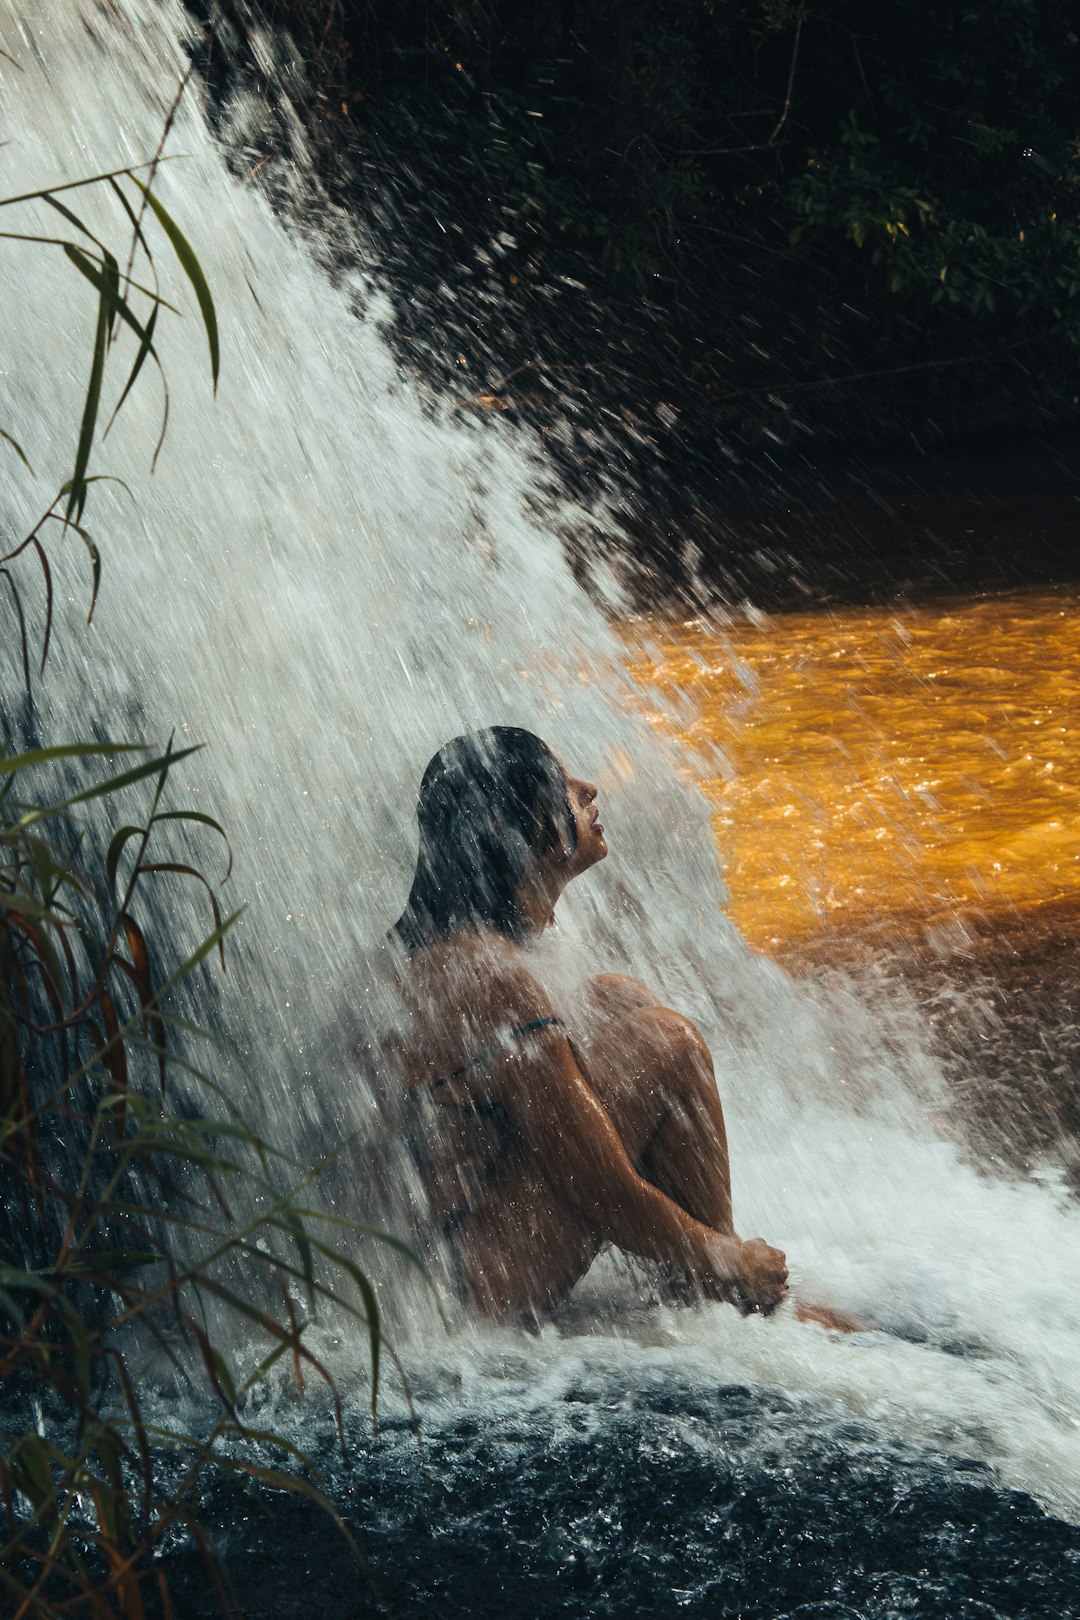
(485, 978)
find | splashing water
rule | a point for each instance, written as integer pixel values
(327, 577)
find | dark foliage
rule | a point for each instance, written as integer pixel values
(714, 238)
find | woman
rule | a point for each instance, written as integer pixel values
(540, 1142)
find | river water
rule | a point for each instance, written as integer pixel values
(899, 767)
(327, 576)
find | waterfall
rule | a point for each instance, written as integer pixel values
(329, 574)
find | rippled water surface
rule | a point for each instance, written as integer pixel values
(886, 766)
(647, 1490)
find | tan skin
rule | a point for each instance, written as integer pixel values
(617, 1127)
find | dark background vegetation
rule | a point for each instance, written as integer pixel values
(763, 260)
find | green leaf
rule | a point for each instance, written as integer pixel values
(17, 447)
(9, 1304)
(116, 849)
(223, 1371)
(47, 870)
(146, 346)
(361, 1229)
(107, 283)
(193, 271)
(24, 906)
(303, 1243)
(72, 219)
(371, 1307)
(150, 768)
(95, 565)
(210, 943)
(108, 293)
(137, 230)
(31, 1469)
(42, 756)
(98, 478)
(203, 821)
(77, 185)
(123, 1260)
(263, 1368)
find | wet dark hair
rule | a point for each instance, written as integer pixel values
(489, 802)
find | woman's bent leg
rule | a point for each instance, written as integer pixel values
(522, 1249)
(653, 1072)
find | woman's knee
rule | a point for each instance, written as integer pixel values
(611, 997)
(675, 1037)
(652, 1064)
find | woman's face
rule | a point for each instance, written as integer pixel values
(591, 843)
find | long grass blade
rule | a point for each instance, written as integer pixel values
(144, 983)
(193, 270)
(120, 838)
(47, 571)
(63, 242)
(21, 617)
(112, 785)
(371, 1307)
(76, 500)
(114, 1057)
(98, 478)
(107, 283)
(178, 869)
(45, 756)
(146, 346)
(95, 554)
(131, 169)
(137, 232)
(203, 821)
(72, 218)
(17, 447)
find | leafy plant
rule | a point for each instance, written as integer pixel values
(122, 302)
(139, 1206)
(117, 1228)
(773, 216)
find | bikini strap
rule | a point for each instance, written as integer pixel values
(537, 1023)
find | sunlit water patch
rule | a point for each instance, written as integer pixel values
(886, 765)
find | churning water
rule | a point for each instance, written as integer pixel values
(326, 577)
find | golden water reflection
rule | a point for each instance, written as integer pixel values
(884, 766)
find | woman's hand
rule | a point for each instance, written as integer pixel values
(763, 1283)
(752, 1275)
